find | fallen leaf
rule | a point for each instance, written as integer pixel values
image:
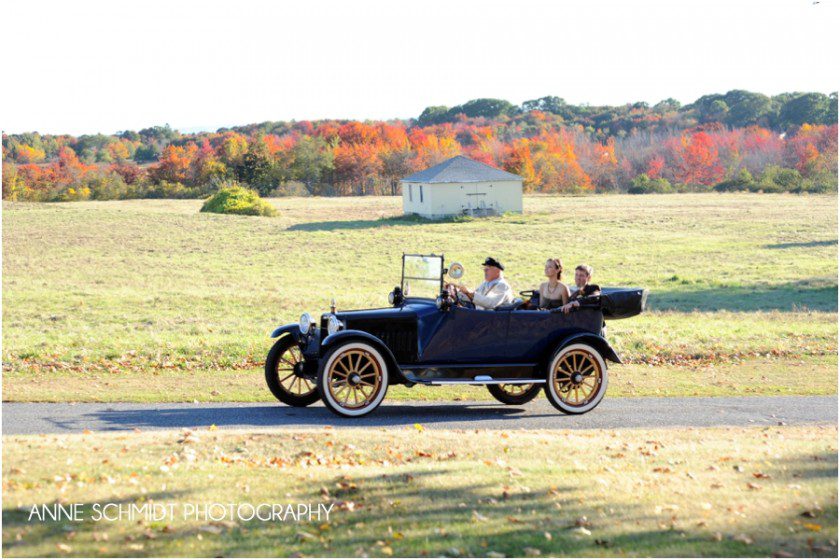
(742, 538)
(478, 517)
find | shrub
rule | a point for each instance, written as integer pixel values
(743, 182)
(170, 189)
(643, 184)
(781, 178)
(233, 198)
(108, 186)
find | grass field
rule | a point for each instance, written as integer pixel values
(150, 300)
(711, 492)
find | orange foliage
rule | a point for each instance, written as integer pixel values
(28, 154)
(371, 157)
(175, 163)
(696, 160)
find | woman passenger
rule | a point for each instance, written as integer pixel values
(553, 293)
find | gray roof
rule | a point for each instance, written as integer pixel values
(460, 169)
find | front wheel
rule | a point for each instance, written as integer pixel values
(284, 374)
(353, 380)
(577, 379)
(514, 393)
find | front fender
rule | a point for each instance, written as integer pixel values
(596, 341)
(351, 334)
(292, 329)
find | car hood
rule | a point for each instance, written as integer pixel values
(411, 308)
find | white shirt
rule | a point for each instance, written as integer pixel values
(490, 295)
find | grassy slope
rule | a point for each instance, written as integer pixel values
(116, 292)
(714, 492)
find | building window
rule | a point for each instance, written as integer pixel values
(421, 193)
(410, 194)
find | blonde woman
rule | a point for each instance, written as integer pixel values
(553, 293)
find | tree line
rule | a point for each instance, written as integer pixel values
(734, 141)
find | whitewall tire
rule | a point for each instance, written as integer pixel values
(353, 380)
(577, 379)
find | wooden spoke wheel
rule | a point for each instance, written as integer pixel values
(514, 393)
(577, 379)
(284, 374)
(354, 379)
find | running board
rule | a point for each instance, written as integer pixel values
(480, 380)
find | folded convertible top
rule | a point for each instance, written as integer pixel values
(621, 303)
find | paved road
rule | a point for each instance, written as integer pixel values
(38, 418)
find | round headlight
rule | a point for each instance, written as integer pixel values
(333, 325)
(305, 323)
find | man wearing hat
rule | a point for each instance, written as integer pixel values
(494, 291)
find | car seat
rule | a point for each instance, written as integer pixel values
(517, 303)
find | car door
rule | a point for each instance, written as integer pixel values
(531, 332)
(467, 336)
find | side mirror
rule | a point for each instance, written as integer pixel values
(456, 270)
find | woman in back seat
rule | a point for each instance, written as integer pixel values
(553, 293)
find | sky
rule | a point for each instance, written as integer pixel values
(104, 66)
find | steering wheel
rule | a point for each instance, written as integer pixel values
(456, 298)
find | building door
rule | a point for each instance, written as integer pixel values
(474, 199)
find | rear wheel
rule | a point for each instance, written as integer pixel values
(577, 379)
(284, 374)
(353, 380)
(514, 393)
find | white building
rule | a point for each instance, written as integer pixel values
(461, 186)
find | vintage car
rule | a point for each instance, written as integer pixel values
(431, 336)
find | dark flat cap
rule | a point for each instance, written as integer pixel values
(490, 261)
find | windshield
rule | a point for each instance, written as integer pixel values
(422, 275)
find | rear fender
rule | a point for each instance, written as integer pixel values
(395, 374)
(599, 343)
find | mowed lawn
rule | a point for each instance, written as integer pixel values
(151, 300)
(724, 492)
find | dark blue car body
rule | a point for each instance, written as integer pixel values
(426, 344)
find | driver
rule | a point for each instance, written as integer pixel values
(494, 291)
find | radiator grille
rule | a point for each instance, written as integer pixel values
(400, 338)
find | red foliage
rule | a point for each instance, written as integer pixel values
(696, 160)
(370, 157)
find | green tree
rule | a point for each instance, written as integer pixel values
(811, 108)
(433, 115)
(255, 168)
(747, 108)
(484, 107)
(313, 162)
